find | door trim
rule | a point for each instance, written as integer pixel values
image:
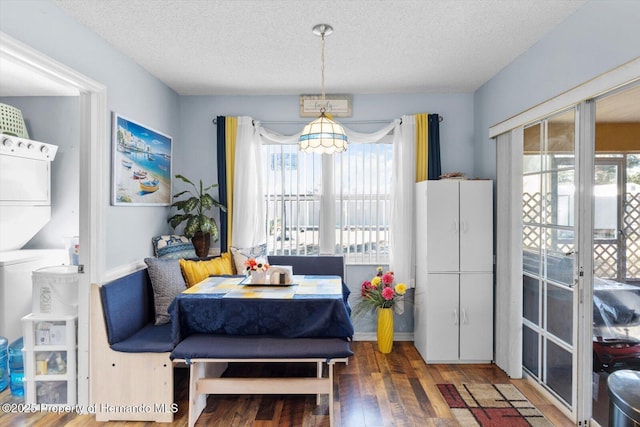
(94, 195)
(606, 82)
(585, 162)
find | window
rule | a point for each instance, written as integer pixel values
(359, 197)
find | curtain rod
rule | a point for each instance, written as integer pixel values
(300, 122)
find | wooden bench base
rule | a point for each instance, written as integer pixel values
(205, 379)
(122, 381)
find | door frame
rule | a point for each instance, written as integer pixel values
(94, 196)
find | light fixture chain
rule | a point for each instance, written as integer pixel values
(322, 69)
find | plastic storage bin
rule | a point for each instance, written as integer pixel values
(16, 368)
(50, 357)
(55, 290)
(4, 366)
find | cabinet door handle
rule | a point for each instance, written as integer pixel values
(463, 226)
(465, 318)
(456, 227)
(455, 316)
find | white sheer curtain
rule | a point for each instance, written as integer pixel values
(508, 329)
(354, 137)
(249, 229)
(248, 198)
(401, 222)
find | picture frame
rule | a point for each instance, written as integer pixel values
(335, 104)
(141, 164)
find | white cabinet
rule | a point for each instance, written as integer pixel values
(49, 357)
(453, 310)
(454, 222)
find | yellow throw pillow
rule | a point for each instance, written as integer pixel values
(197, 271)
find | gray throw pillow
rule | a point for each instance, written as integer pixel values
(167, 282)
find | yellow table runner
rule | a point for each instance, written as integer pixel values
(240, 287)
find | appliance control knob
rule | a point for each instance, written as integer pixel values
(30, 146)
(7, 142)
(21, 144)
(44, 149)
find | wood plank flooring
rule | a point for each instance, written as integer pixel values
(374, 389)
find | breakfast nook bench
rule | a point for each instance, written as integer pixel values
(208, 356)
(131, 369)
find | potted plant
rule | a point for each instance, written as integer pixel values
(199, 227)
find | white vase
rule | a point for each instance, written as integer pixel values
(258, 276)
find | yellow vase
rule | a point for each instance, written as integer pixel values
(385, 330)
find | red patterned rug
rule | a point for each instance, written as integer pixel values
(491, 405)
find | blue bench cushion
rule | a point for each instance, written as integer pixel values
(125, 303)
(205, 346)
(311, 265)
(150, 339)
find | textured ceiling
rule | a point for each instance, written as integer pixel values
(200, 47)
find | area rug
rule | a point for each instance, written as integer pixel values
(491, 405)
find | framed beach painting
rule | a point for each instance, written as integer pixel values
(141, 167)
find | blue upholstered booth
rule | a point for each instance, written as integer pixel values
(311, 265)
(260, 347)
(127, 304)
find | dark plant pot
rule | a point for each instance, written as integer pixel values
(201, 242)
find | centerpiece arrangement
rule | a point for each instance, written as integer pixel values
(257, 270)
(380, 294)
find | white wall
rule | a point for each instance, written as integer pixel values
(131, 91)
(599, 37)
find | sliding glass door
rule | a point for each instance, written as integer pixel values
(549, 219)
(581, 250)
(568, 223)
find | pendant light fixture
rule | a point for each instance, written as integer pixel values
(323, 135)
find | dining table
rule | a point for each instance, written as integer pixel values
(309, 306)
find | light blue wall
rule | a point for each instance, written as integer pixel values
(197, 156)
(131, 91)
(599, 37)
(54, 120)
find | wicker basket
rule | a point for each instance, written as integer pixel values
(11, 121)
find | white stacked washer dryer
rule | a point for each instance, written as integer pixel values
(25, 207)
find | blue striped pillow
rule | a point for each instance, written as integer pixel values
(173, 246)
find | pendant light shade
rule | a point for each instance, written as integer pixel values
(323, 135)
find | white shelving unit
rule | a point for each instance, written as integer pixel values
(50, 359)
(453, 310)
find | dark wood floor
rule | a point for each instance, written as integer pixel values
(374, 389)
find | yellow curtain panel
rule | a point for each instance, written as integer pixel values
(231, 132)
(422, 146)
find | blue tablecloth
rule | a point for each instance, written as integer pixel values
(303, 314)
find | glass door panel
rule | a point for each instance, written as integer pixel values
(607, 240)
(631, 218)
(616, 243)
(548, 214)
